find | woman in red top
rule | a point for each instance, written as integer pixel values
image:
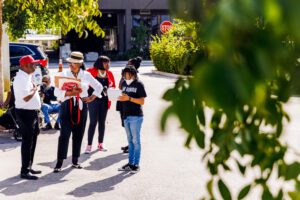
(99, 107)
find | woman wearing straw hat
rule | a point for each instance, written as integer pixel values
(74, 109)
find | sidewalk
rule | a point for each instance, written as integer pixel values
(122, 64)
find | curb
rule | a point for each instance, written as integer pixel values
(170, 75)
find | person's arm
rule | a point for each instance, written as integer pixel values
(31, 94)
(125, 97)
(112, 79)
(98, 88)
(120, 83)
(73, 92)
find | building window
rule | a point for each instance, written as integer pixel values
(152, 22)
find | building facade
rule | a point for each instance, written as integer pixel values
(119, 18)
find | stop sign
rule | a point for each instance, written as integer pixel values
(165, 26)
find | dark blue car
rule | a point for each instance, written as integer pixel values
(18, 50)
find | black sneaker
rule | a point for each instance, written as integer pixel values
(124, 148)
(28, 177)
(125, 168)
(35, 171)
(126, 151)
(47, 127)
(134, 169)
(56, 126)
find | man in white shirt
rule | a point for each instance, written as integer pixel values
(27, 103)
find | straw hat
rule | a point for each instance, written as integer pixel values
(75, 57)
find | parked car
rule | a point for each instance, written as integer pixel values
(18, 50)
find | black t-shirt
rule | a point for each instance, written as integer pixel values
(135, 90)
(49, 94)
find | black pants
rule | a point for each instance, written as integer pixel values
(97, 112)
(29, 128)
(67, 128)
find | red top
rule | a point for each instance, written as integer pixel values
(110, 77)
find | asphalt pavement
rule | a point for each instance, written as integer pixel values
(169, 171)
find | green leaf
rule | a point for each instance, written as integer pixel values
(280, 195)
(241, 167)
(267, 194)
(225, 193)
(244, 192)
(165, 117)
(209, 187)
(188, 140)
(170, 94)
(292, 171)
(200, 138)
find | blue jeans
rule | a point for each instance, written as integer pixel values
(133, 125)
(50, 108)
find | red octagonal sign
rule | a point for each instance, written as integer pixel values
(165, 26)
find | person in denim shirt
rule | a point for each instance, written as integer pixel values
(132, 99)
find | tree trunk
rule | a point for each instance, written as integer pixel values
(1, 67)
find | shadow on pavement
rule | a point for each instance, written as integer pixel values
(15, 186)
(153, 75)
(107, 161)
(50, 132)
(99, 186)
(68, 161)
(7, 142)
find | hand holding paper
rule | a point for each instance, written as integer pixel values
(114, 94)
(68, 84)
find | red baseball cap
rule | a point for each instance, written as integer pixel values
(25, 60)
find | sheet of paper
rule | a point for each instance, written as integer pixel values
(60, 80)
(113, 94)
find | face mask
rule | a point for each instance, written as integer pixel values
(128, 82)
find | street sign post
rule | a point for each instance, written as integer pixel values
(165, 26)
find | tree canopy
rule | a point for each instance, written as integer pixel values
(62, 15)
(252, 48)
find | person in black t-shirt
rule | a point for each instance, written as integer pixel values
(136, 62)
(132, 99)
(47, 94)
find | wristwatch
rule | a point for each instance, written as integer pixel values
(129, 99)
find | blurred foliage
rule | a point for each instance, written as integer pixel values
(252, 47)
(139, 42)
(41, 15)
(177, 48)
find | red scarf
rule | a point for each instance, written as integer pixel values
(110, 77)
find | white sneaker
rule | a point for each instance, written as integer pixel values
(88, 149)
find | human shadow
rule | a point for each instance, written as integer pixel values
(105, 162)
(68, 161)
(7, 142)
(101, 186)
(15, 186)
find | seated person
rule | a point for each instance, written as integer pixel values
(47, 94)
